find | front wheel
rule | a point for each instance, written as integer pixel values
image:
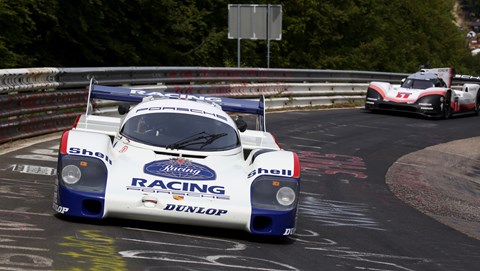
(447, 108)
(477, 105)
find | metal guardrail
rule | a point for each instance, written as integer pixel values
(31, 79)
(75, 77)
(278, 95)
(28, 114)
(36, 101)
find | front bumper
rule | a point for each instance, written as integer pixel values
(80, 204)
(430, 106)
(156, 208)
(277, 223)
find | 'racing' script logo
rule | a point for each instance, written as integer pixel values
(180, 169)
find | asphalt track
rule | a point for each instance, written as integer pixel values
(349, 218)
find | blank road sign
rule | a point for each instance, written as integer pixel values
(251, 21)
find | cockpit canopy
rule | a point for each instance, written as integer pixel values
(423, 80)
(181, 131)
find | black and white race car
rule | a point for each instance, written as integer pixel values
(427, 92)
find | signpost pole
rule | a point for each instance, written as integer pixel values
(238, 33)
(268, 36)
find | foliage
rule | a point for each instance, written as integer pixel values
(376, 35)
(14, 39)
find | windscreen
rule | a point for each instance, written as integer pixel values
(417, 84)
(181, 131)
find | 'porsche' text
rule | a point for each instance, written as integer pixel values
(181, 109)
(174, 187)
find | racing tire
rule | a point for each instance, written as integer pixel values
(447, 109)
(477, 105)
(369, 109)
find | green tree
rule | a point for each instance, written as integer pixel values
(16, 24)
(376, 35)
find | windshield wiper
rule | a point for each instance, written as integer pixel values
(198, 138)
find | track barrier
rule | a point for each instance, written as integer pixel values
(35, 101)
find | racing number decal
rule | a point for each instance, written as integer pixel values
(403, 95)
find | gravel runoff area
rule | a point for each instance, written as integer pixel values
(443, 182)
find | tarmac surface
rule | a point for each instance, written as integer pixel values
(441, 181)
(379, 192)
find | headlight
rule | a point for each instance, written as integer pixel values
(274, 193)
(285, 196)
(81, 173)
(71, 174)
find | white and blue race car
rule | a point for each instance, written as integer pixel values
(177, 158)
(427, 92)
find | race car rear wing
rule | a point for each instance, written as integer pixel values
(136, 95)
(445, 74)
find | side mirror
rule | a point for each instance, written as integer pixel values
(241, 124)
(123, 109)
